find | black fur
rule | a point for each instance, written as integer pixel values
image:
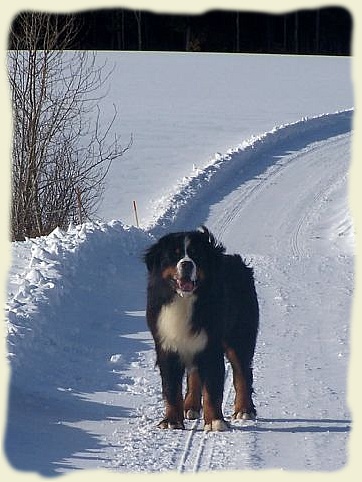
(225, 308)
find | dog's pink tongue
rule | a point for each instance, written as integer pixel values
(186, 285)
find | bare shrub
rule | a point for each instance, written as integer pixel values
(62, 150)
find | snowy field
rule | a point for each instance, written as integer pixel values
(258, 149)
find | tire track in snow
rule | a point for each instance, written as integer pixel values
(252, 189)
(200, 446)
(294, 233)
(194, 447)
(323, 192)
(188, 447)
(297, 245)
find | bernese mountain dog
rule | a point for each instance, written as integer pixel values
(201, 304)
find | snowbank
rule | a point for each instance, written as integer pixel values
(54, 267)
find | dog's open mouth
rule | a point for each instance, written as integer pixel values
(185, 286)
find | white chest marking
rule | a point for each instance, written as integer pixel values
(174, 329)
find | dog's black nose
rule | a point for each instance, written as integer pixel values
(186, 265)
(186, 269)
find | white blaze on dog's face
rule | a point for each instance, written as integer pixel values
(182, 263)
(186, 272)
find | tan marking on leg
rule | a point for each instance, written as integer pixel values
(192, 404)
(212, 410)
(242, 401)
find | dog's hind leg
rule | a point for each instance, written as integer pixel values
(244, 408)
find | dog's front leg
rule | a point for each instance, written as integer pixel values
(212, 373)
(192, 403)
(171, 370)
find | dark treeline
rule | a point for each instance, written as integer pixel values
(325, 31)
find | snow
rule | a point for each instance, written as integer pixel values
(258, 148)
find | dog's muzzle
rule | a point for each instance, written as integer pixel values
(186, 276)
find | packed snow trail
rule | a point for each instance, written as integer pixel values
(85, 392)
(287, 202)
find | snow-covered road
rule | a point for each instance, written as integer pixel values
(288, 225)
(289, 209)
(83, 371)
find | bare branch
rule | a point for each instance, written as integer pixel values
(62, 152)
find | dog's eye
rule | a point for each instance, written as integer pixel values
(174, 254)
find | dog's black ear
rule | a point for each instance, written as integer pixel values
(152, 257)
(216, 245)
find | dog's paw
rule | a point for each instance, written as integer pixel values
(168, 424)
(192, 414)
(216, 426)
(244, 416)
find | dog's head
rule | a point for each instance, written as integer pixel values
(183, 259)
